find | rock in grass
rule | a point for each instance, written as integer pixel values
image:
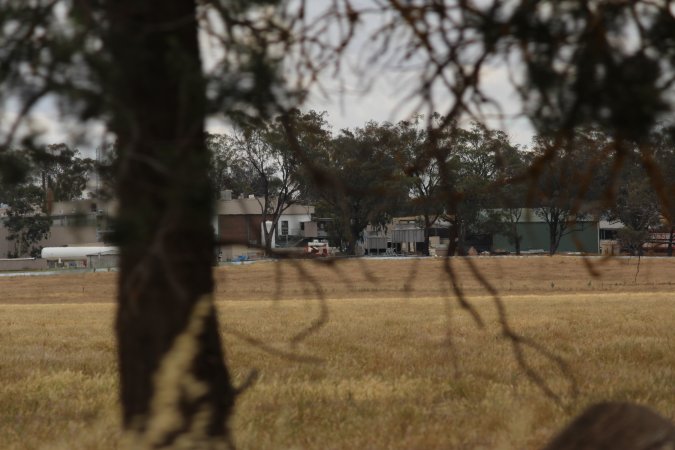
(616, 426)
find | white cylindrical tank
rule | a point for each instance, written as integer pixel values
(73, 253)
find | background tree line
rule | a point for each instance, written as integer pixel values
(51, 174)
(386, 175)
(382, 167)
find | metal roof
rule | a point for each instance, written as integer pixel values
(253, 206)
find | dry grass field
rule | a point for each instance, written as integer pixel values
(386, 378)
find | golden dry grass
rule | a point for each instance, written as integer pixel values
(387, 378)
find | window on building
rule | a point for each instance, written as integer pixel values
(284, 227)
(606, 234)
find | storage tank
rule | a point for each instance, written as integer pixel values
(75, 253)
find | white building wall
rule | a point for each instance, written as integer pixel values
(294, 221)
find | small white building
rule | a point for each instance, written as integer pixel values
(238, 225)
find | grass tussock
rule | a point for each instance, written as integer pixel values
(388, 377)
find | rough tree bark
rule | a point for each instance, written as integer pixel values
(175, 387)
(616, 426)
(553, 235)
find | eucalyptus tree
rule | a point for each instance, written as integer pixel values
(271, 170)
(638, 209)
(62, 172)
(372, 187)
(636, 205)
(26, 220)
(512, 193)
(661, 147)
(483, 158)
(577, 181)
(557, 196)
(52, 173)
(424, 174)
(223, 161)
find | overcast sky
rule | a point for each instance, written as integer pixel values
(349, 104)
(350, 108)
(361, 93)
(384, 101)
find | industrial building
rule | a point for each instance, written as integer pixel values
(405, 235)
(74, 223)
(238, 224)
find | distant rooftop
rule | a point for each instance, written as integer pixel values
(252, 206)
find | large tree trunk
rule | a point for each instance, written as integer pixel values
(553, 236)
(175, 387)
(454, 238)
(427, 226)
(355, 229)
(516, 238)
(268, 234)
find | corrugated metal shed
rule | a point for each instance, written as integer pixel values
(407, 235)
(375, 243)
(253, 206)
